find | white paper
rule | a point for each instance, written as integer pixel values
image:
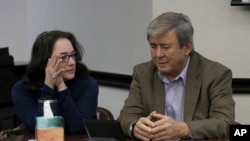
(47, 109)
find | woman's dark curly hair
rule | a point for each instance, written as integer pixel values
(42, 50)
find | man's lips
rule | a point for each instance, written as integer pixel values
(161, 62)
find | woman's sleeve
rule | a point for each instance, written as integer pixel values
(25, 104)
(84, 107)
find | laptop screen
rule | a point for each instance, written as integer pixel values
(104, 130)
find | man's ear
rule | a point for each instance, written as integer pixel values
(188, 47)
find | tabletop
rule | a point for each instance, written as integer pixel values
(28, 137)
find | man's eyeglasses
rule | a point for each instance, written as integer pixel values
(65, 58)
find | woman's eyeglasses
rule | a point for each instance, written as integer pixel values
(65, 58)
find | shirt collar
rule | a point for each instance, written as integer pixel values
(182, 75)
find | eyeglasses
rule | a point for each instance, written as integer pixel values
(65, 58)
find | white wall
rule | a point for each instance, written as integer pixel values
(13, 27)
(112, 99)
(111, 31)
(242, 108)
(221, 31)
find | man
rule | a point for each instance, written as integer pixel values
(179, 93)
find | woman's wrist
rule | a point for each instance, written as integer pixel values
(49, 84)
(61, 87)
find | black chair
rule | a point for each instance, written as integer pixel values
(104, 114)
(7, 77)
(7, 80)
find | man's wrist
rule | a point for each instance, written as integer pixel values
(131, 129)
(187, 131)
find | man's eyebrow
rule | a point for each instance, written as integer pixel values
(160, 44)
(164, 44)
(152, 43)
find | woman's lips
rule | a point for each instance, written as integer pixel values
(70, 71)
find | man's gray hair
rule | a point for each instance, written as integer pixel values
(168, 21)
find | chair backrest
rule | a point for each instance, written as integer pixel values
(104, 114)
(7, 80)
(7, 77)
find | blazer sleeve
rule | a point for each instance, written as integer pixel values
(133, 107)
(221, 111)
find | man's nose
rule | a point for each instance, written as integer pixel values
(159, 52)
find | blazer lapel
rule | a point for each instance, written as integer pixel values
(193, 86)
(157, 95)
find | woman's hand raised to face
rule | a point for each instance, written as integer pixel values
(53, 72)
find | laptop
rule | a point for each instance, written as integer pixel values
(103, 130)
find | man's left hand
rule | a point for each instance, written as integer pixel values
(168, 128)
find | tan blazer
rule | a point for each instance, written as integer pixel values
(208, 104)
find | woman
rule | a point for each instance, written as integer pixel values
(56, 72)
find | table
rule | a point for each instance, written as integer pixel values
(79, 138)
(32, 136)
